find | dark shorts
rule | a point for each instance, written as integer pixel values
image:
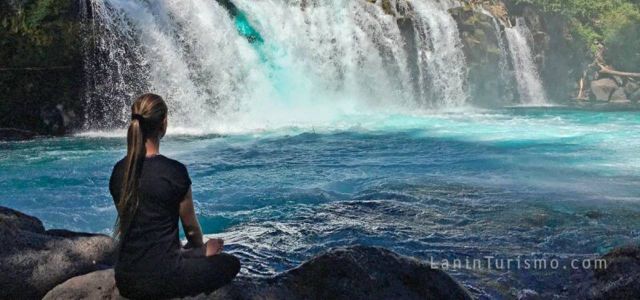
(195, 275)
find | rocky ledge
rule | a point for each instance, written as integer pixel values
(356, 272)
(60, 264)
(34, 260)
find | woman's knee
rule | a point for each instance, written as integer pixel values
(233, 264)
(227, 264)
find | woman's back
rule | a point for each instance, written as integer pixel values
(152, 194)
(151, 244)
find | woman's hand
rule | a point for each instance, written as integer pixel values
(214, 247)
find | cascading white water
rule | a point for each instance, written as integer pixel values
(314, 61)
(506, 75)
(187, 51)
(441, 61)
(529, 84)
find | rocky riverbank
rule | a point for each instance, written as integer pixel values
(59, 264)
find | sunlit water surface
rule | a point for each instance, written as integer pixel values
(554, 183)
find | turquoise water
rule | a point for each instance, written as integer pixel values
(535, 182)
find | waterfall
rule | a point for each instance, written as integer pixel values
(188, 51)
(441, 61)
(529, 84)
(506, 76)
(269, 63)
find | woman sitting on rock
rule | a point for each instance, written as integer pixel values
(151, 193)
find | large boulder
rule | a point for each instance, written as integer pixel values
(602, 89)
(33, 261)
(356, 272)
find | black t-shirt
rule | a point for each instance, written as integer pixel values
(152, 244)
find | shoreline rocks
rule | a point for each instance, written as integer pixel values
(62, 264)
(357, 272)
(33, 260)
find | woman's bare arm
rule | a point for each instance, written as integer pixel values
(192, 229)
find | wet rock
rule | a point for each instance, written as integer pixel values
(32, 261)
(620, 278)
(13, 134)
(356, 272)
(482, 55)
(602, 89)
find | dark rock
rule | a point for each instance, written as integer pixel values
(602, 89)
(13, 134)
(481, 47)
(67, 233)
(15, 220)
(406, 26)
(357, 272)
(32, 262)
(620, 278)
(41, 65)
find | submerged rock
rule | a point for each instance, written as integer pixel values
(356, 272)
(32, 261)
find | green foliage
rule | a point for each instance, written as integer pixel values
(615, 23)
(38, 33)
(40, 60)
(587, 35)
(621, 30)
(583, 9)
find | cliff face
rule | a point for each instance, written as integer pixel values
(558, 57)
(40, 65)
